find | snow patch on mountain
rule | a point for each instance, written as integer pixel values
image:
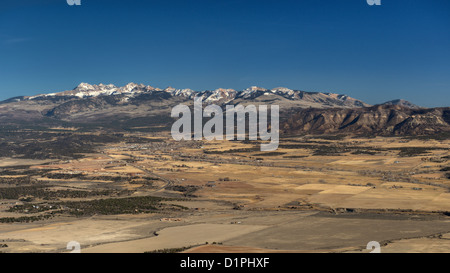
(220, 95)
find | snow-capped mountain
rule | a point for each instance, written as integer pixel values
(87, 90)
(217, 96)
(143, 107)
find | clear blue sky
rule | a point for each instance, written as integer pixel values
(400, 49)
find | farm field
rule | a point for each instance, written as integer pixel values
(329, 194)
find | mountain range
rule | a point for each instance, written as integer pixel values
(302, 112)
(218, 96)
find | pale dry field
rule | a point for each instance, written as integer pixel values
(7, 161)
(294, 200)
(329, 181)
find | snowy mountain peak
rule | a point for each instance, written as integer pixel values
(255, 89)
(282, 90)
(219, 96)
(84, 87)
(106, 86)
(169, 89)
(129, 87)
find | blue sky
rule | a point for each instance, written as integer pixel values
(400, 49)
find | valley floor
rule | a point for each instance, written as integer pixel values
(156, 195)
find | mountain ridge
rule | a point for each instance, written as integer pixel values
(385, 120)
(401, 102)
(219, 95)
(301, 112)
